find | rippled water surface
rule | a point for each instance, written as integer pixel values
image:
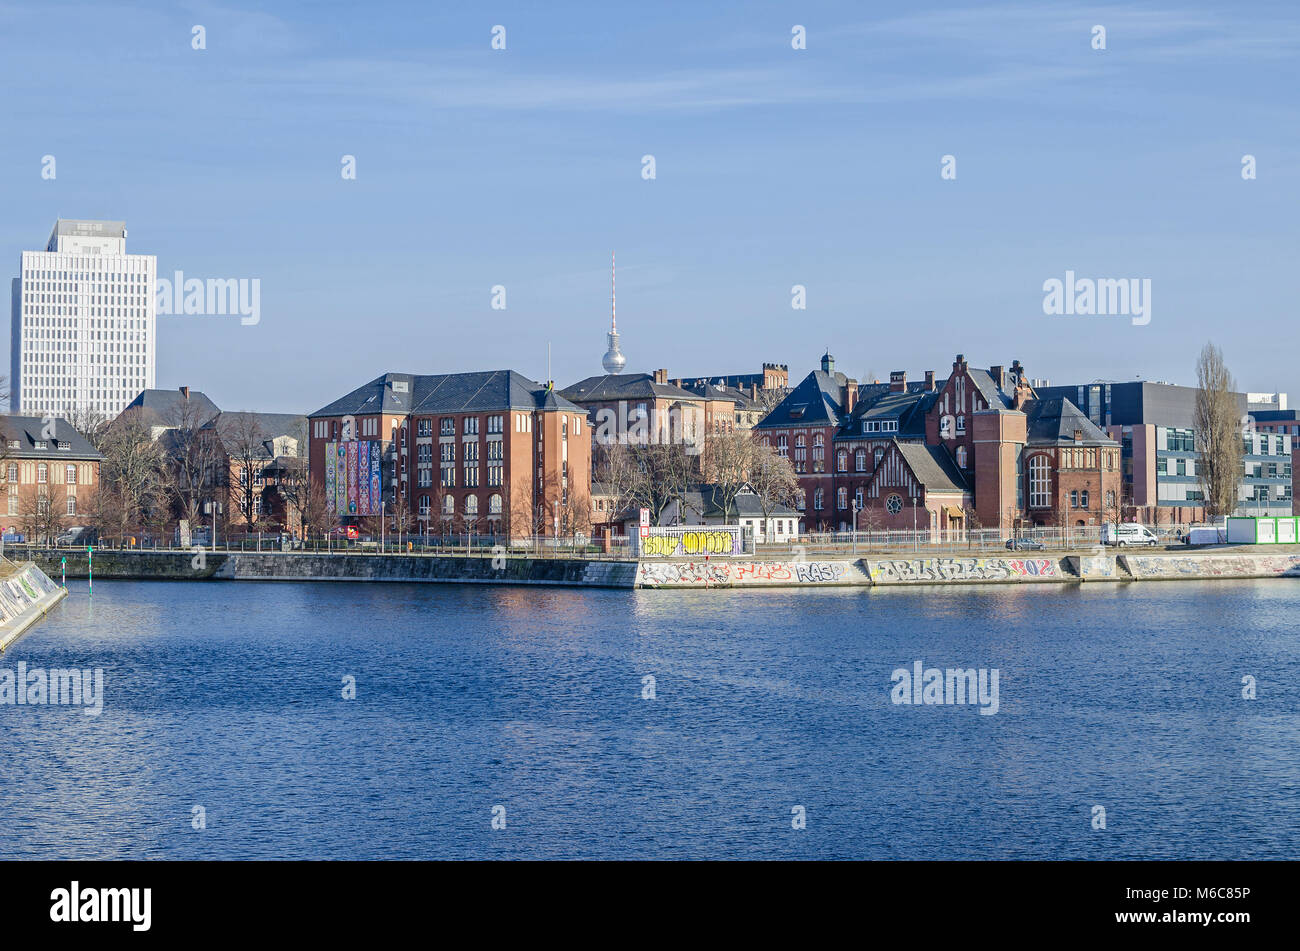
(227, 696)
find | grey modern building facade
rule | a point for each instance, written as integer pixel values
(1154, 423)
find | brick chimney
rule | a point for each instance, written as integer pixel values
(850, 395)
(898, 381)
(959, 364)
(661, 375)
(929, 381)
(998, 377)
(185, 392)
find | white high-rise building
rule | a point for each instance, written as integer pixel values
(83, 322)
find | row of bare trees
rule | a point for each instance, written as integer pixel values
(655, 476)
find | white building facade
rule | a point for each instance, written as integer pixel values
(84, 323)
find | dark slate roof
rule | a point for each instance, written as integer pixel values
(712, 390)
(933, 467)
(908, 408)
(1054, 422)
(477, 392)
(998, 399)
(27, 431)
(816, 400)
(164, 407)
(624, 386)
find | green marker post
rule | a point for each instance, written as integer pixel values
(90, 568)
(63, 569)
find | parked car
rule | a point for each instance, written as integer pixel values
(1127, 533)
(1025, 544)
(76, 536)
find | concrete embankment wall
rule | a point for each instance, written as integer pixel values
(305, 566)
(1210, 565)
(1028, 568)
(25, 597)
(310, 566)
(728, 573)
(133, 565)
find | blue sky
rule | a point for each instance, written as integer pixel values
(774, 167)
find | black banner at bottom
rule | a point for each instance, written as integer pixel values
(169, 900)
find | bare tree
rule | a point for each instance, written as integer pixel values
(665, 472)
(133, 477)
(1218, 434)
(728, 458)
(618, 472)
(91, 423)
(243, 439)
(39, 514)
(313, 509)
(197, 459)
(773, 480)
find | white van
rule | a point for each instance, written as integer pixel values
(1127, 533)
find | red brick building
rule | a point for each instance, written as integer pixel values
(488, 453)
(973, 450)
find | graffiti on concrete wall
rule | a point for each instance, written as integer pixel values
(22, 590)
(939, 570)
(1211, 566)
(651, 574)
(684, 542)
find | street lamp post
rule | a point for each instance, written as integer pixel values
(916, 540)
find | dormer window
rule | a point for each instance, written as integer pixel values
(40, 444)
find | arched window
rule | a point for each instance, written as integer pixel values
(817, 500)
(471, 505)
(1040, 482)
(842, 460)
(860, 460)
(13, 472)
(448, 505)
(782, 446)
(961, 457)
(842, 497)
(880, 453)
(494, 504)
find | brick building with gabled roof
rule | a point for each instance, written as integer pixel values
(961, 446)
(51, 474)
(483, 453)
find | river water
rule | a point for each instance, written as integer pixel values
(768, 710)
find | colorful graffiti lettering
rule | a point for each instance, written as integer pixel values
(679, 574)
(929, 570)
(666, 543)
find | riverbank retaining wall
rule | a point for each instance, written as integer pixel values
(728, 573)
(26, 595)
(1029, 568)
